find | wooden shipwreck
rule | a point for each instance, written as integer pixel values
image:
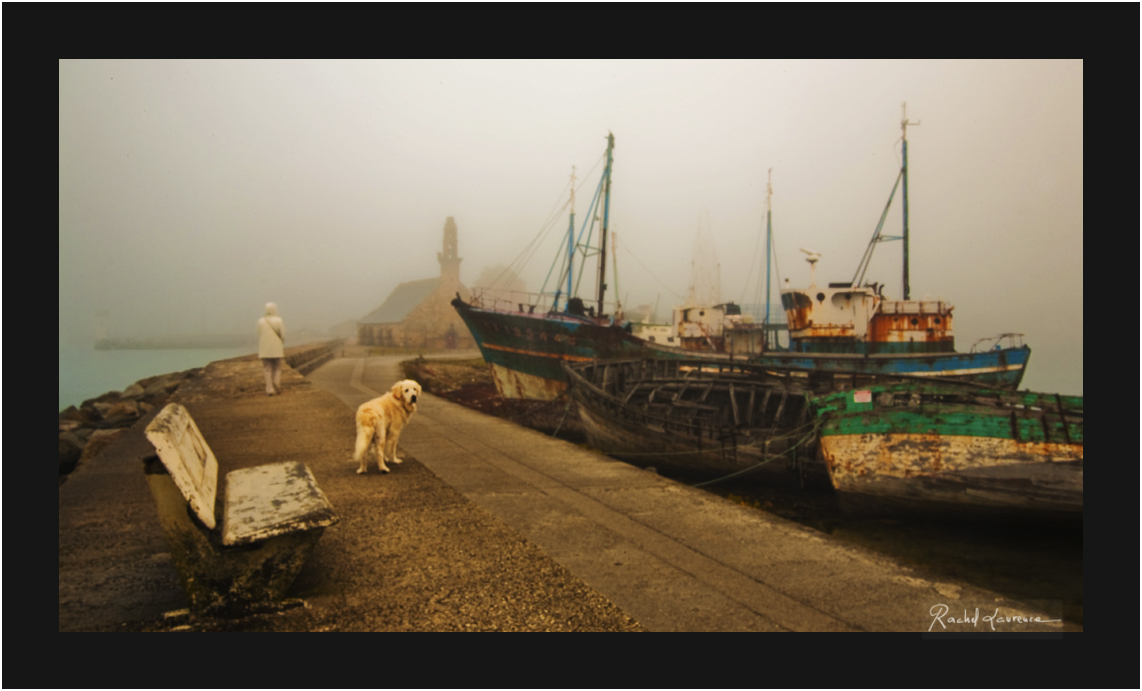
(942, 446)
(695, 417)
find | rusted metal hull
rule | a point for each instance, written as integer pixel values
(942, 448)
(526, 351)
(515, 383)
(999, 368)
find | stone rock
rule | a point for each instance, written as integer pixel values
(164, 384)
(109, 397)
(134, 391)
(119, 414)
(90, 413)
(70, 449)
(100, 439)
(83, 416)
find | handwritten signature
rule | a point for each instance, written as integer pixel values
(939, 614)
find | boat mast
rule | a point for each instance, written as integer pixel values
(768, 236)
(606, 219)
(570, 237)
(904, 171)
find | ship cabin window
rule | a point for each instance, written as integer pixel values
(820, 297)
(669, 339)
(650, 338)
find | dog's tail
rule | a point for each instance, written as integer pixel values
(365, 434)
(368, 425)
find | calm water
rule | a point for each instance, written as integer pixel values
(86, 373)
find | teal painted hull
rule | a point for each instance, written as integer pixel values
(527, 349)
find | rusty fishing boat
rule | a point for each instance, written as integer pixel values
(847, 329)
(939, 446)
(855, 327)
(525, 338)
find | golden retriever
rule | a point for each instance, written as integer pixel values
(380, 421)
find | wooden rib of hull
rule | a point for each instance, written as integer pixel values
(646, 447)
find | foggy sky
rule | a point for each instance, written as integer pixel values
(191, 193)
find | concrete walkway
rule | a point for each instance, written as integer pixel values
(673, 557)
(410, 553)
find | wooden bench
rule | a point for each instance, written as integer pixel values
(272, 517)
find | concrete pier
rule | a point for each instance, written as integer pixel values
(485, 526)
(674, 557)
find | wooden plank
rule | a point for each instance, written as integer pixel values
(270, 500)
(691, 405)
(188, 459)
(780, 407)
(734, 405)
(764, 405)
(1063, 418)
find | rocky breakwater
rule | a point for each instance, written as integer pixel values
(88, 429)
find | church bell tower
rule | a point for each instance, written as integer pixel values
(449, 259)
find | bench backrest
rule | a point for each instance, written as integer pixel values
(187, 458)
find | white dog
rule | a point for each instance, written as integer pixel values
(380, 421)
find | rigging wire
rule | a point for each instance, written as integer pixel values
(752, 263)
(553, 215)
(587, 177)
(592, 213)
(876, 236)
(663, 283)
(776, 268)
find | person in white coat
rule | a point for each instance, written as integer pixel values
(271, 348)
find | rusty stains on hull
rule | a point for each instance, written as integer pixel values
(512, 383)
(938, 469)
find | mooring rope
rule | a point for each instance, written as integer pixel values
(811, 433)
(560, 425)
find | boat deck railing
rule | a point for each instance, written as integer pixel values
(498, 300)
(817, 381)
(1008, 340)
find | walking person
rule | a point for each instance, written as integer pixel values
(271, 348)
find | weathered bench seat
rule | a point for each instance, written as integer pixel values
(272, 517)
